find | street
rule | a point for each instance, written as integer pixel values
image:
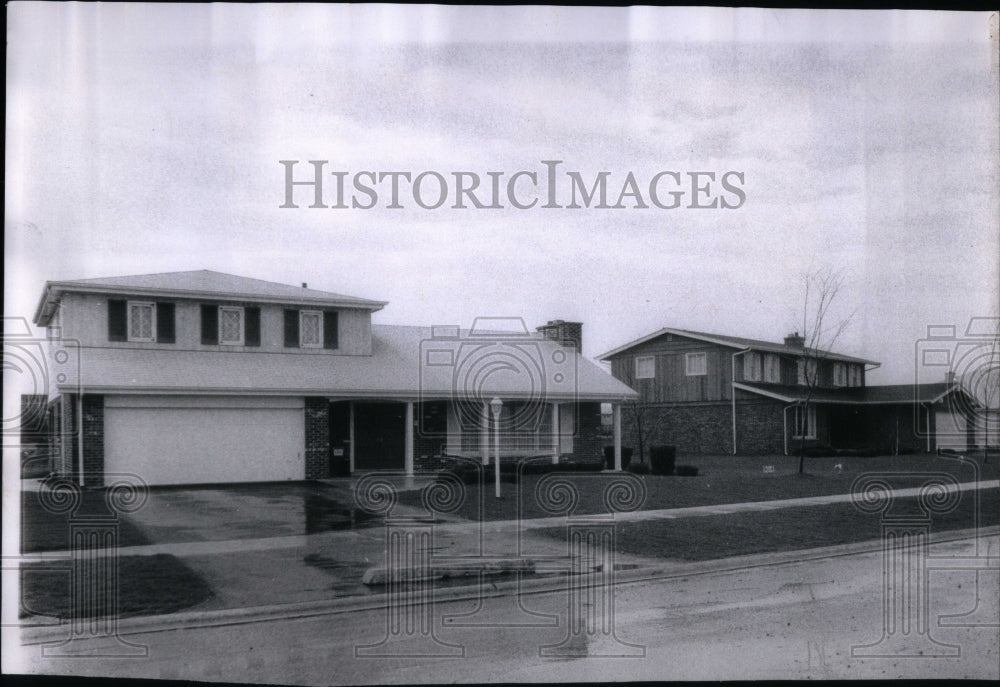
(794, 620)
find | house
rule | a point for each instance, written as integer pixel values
(714, 394)
(204, 377)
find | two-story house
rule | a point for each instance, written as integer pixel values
(715, 394)
(203, 377)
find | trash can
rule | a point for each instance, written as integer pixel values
(662, 459)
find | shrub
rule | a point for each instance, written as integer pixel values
(661, 459)
(686, 471)
(638, 468)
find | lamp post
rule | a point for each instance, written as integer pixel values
(495, 405)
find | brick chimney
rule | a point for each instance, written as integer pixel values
(795, 340)
(566, 333)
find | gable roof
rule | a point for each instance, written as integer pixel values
(739, 343)
(398, 368)
(887, 394)
(197, 284)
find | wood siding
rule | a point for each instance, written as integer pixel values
(671, 383)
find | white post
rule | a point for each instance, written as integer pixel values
(555, 434)
(496, 405)
(617, 411)
(408, 440)
(79, 430)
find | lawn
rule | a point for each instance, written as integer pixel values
(721, 479)
(45, 530)
(147, 585)
(789, 529)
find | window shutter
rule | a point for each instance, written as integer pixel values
(209, 325)
(330, 329)
(117, 321)
(165, 330)
(251, 332)
(291, 329)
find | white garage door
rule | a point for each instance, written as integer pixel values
(203, 440)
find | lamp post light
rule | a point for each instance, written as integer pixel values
(495, 405)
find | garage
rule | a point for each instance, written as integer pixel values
(204, 439)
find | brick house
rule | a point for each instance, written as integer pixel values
(203, 377)
(715, 394)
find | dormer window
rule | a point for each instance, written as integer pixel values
(231, 325)
(310, 329)
(141, 321)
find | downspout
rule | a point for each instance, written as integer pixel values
(732, 390)
(784, 424)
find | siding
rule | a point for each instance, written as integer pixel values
(672, 384)
(84, 317)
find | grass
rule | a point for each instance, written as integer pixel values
(147, 585)
(44, 530)
(788, 529)
(720, 480)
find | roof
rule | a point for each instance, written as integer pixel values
(521, 368)
(197, 284)
(862, 395)
(740, 343)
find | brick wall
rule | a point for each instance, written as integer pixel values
(588, 444)
(759, 428)
(317, 421)
(697, 428)
(93, 440)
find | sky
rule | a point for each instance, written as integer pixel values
(147, 138)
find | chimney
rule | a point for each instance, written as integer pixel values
(566, 333)
(795, 340)
(304, 285)
(949, 377)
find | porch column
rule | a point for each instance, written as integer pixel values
(408, 440)
(555, 433)
(484, 433)
(616, 410)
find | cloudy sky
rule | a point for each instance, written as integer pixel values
(148, 138)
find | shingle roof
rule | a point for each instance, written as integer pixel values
(867, 395)
(738, 343)
(394, 370)
(198, 283)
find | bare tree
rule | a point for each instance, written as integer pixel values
(822, 286)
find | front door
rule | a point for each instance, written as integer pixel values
(379, 436)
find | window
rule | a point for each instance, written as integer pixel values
(695, 364)
(230, 325)
(141, 321)
(645, 367)
(310, 329)
(806, 371)
(805, 422)
(772, 368)
(839, 374)
(751, 366)
(854, 375)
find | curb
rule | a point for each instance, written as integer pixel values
(41, 634)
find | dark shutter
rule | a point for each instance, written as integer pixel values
(165, 330)
(117, 321)
(209, 325)
(291, 329)
(251, 334)
(329, 329)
